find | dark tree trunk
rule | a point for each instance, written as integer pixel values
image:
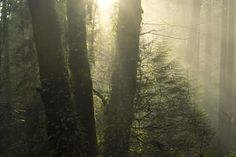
(1, 31)
(34, 107)
(6, 63)
(5, 130)
(192, 56)
(80, 72)
(226, 75)
(120, 110)
(55, 93)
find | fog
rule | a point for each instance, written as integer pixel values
(171, 22)
(117, 78)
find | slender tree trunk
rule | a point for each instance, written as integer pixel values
(1, 31)
(80, 71)
(226, 75)
(223, 119)
(120, 112)
(55, 93)
(192, 56)
(208, 60)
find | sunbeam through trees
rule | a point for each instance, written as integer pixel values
(117, 78)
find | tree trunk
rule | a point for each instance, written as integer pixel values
(192, 56)
(5, 131)
(92, 35)
(1, 31)
(226, 75)
(120, 110)
(208, 61)
(80, 71)
(55, 93)
(6, 63)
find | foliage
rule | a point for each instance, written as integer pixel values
(232, 154)
(167, 121)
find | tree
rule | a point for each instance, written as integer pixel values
(62, 129)
(208, 59)
(92, 8)
(192, 56)
(1, 31)
(120, 110)
(6, 83)
(226, 75)
(80, 72)
(167, 121)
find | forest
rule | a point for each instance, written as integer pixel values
(117, 78)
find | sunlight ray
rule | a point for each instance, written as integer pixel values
(104, 3)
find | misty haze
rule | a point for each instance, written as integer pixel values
(117, 78)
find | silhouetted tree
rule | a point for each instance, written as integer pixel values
(62, 130)
(120, 110)
(80, 72)
(5, 84)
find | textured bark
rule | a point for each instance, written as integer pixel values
(192, 56)
(120, 110)
(55, 93)
(226, 75)
(80, 72)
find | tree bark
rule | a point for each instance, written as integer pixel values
(80, 72)
(120, 110)
(62, 128)
(226, 77)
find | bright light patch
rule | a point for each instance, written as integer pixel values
(104, 3)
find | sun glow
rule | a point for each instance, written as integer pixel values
(104, 3)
